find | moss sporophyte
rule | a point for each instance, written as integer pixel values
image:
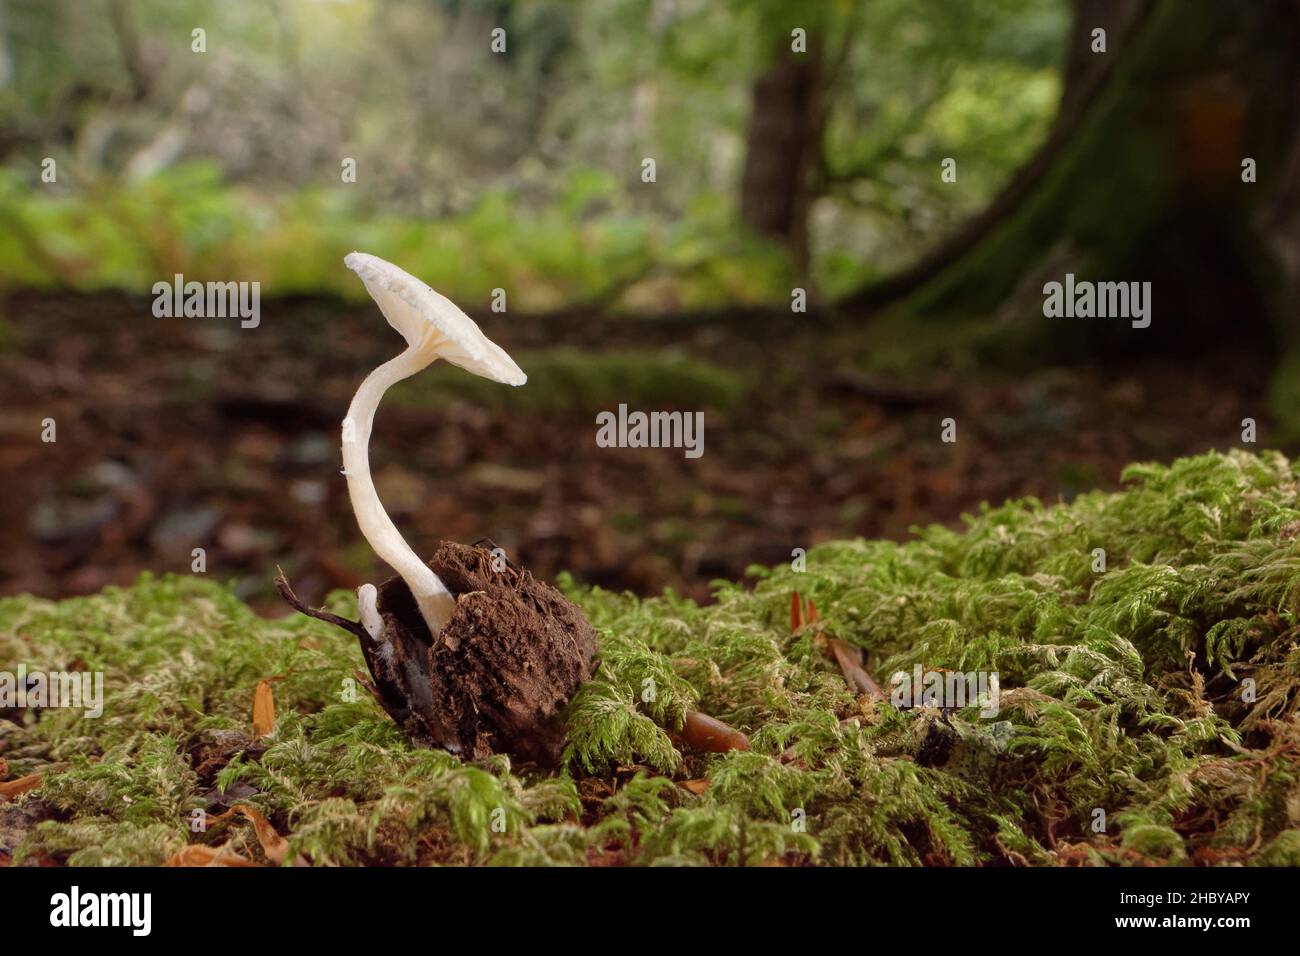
(1147, 714)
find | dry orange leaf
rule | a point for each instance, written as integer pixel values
(15, 788)
(813, 616)
(696, 787)
(274, 846)
(199, 855)
(263, 709)
(796, 611)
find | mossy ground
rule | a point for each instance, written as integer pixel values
(1124, 691)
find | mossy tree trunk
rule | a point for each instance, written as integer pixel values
(1082, 66)
(1142, 179)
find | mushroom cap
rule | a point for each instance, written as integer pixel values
(431, 322)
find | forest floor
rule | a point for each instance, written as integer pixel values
(1144, 711)
(1124, 687)
(176, 434)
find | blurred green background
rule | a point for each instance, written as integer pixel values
(521, 169)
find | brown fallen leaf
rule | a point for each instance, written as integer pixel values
(4, 768)
(196, 854)
(263, 709)
(16, 788)
(274, 846)
(813, 616)
(855, 675)
(796, 612)
(702, 732)
(696, 787)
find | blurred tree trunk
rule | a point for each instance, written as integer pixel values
(1142, 180)
(782, 148)
(121, 16)
(1082, 67)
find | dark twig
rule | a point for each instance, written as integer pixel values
(353, 627)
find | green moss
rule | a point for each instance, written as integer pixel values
(97, 842)
(153, 783)
(1124, 699)
(1283, 851)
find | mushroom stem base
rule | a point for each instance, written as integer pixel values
(498, 676)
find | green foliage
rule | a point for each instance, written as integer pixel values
(1121, 691)
(186, 220)
(915, 88)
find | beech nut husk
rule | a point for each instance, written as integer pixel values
(497, 678)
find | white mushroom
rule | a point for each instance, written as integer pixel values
(434, 328)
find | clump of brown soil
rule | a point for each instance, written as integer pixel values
(497, 679)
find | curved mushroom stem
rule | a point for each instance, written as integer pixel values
(436, 603)
(367, 604)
